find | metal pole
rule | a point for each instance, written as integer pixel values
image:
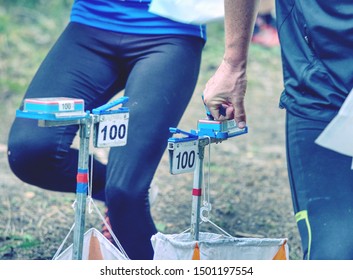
(81, 188)
(197, 190)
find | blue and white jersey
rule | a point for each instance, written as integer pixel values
(131, 16)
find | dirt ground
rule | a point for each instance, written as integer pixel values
(248, 183)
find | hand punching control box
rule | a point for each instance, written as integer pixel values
(218, 129)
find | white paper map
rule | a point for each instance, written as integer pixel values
(338, 135)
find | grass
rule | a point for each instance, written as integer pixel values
(27, 31)
(14, 242)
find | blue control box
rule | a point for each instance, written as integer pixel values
(53, 105)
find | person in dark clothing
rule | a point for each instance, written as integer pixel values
(316, 39)
(110, 46)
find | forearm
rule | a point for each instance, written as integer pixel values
(227, 86)
(239, 22)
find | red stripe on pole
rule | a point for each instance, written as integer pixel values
(82, 178)
(196, 192)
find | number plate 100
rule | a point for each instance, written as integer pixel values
(182, 156)
(111, 130)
